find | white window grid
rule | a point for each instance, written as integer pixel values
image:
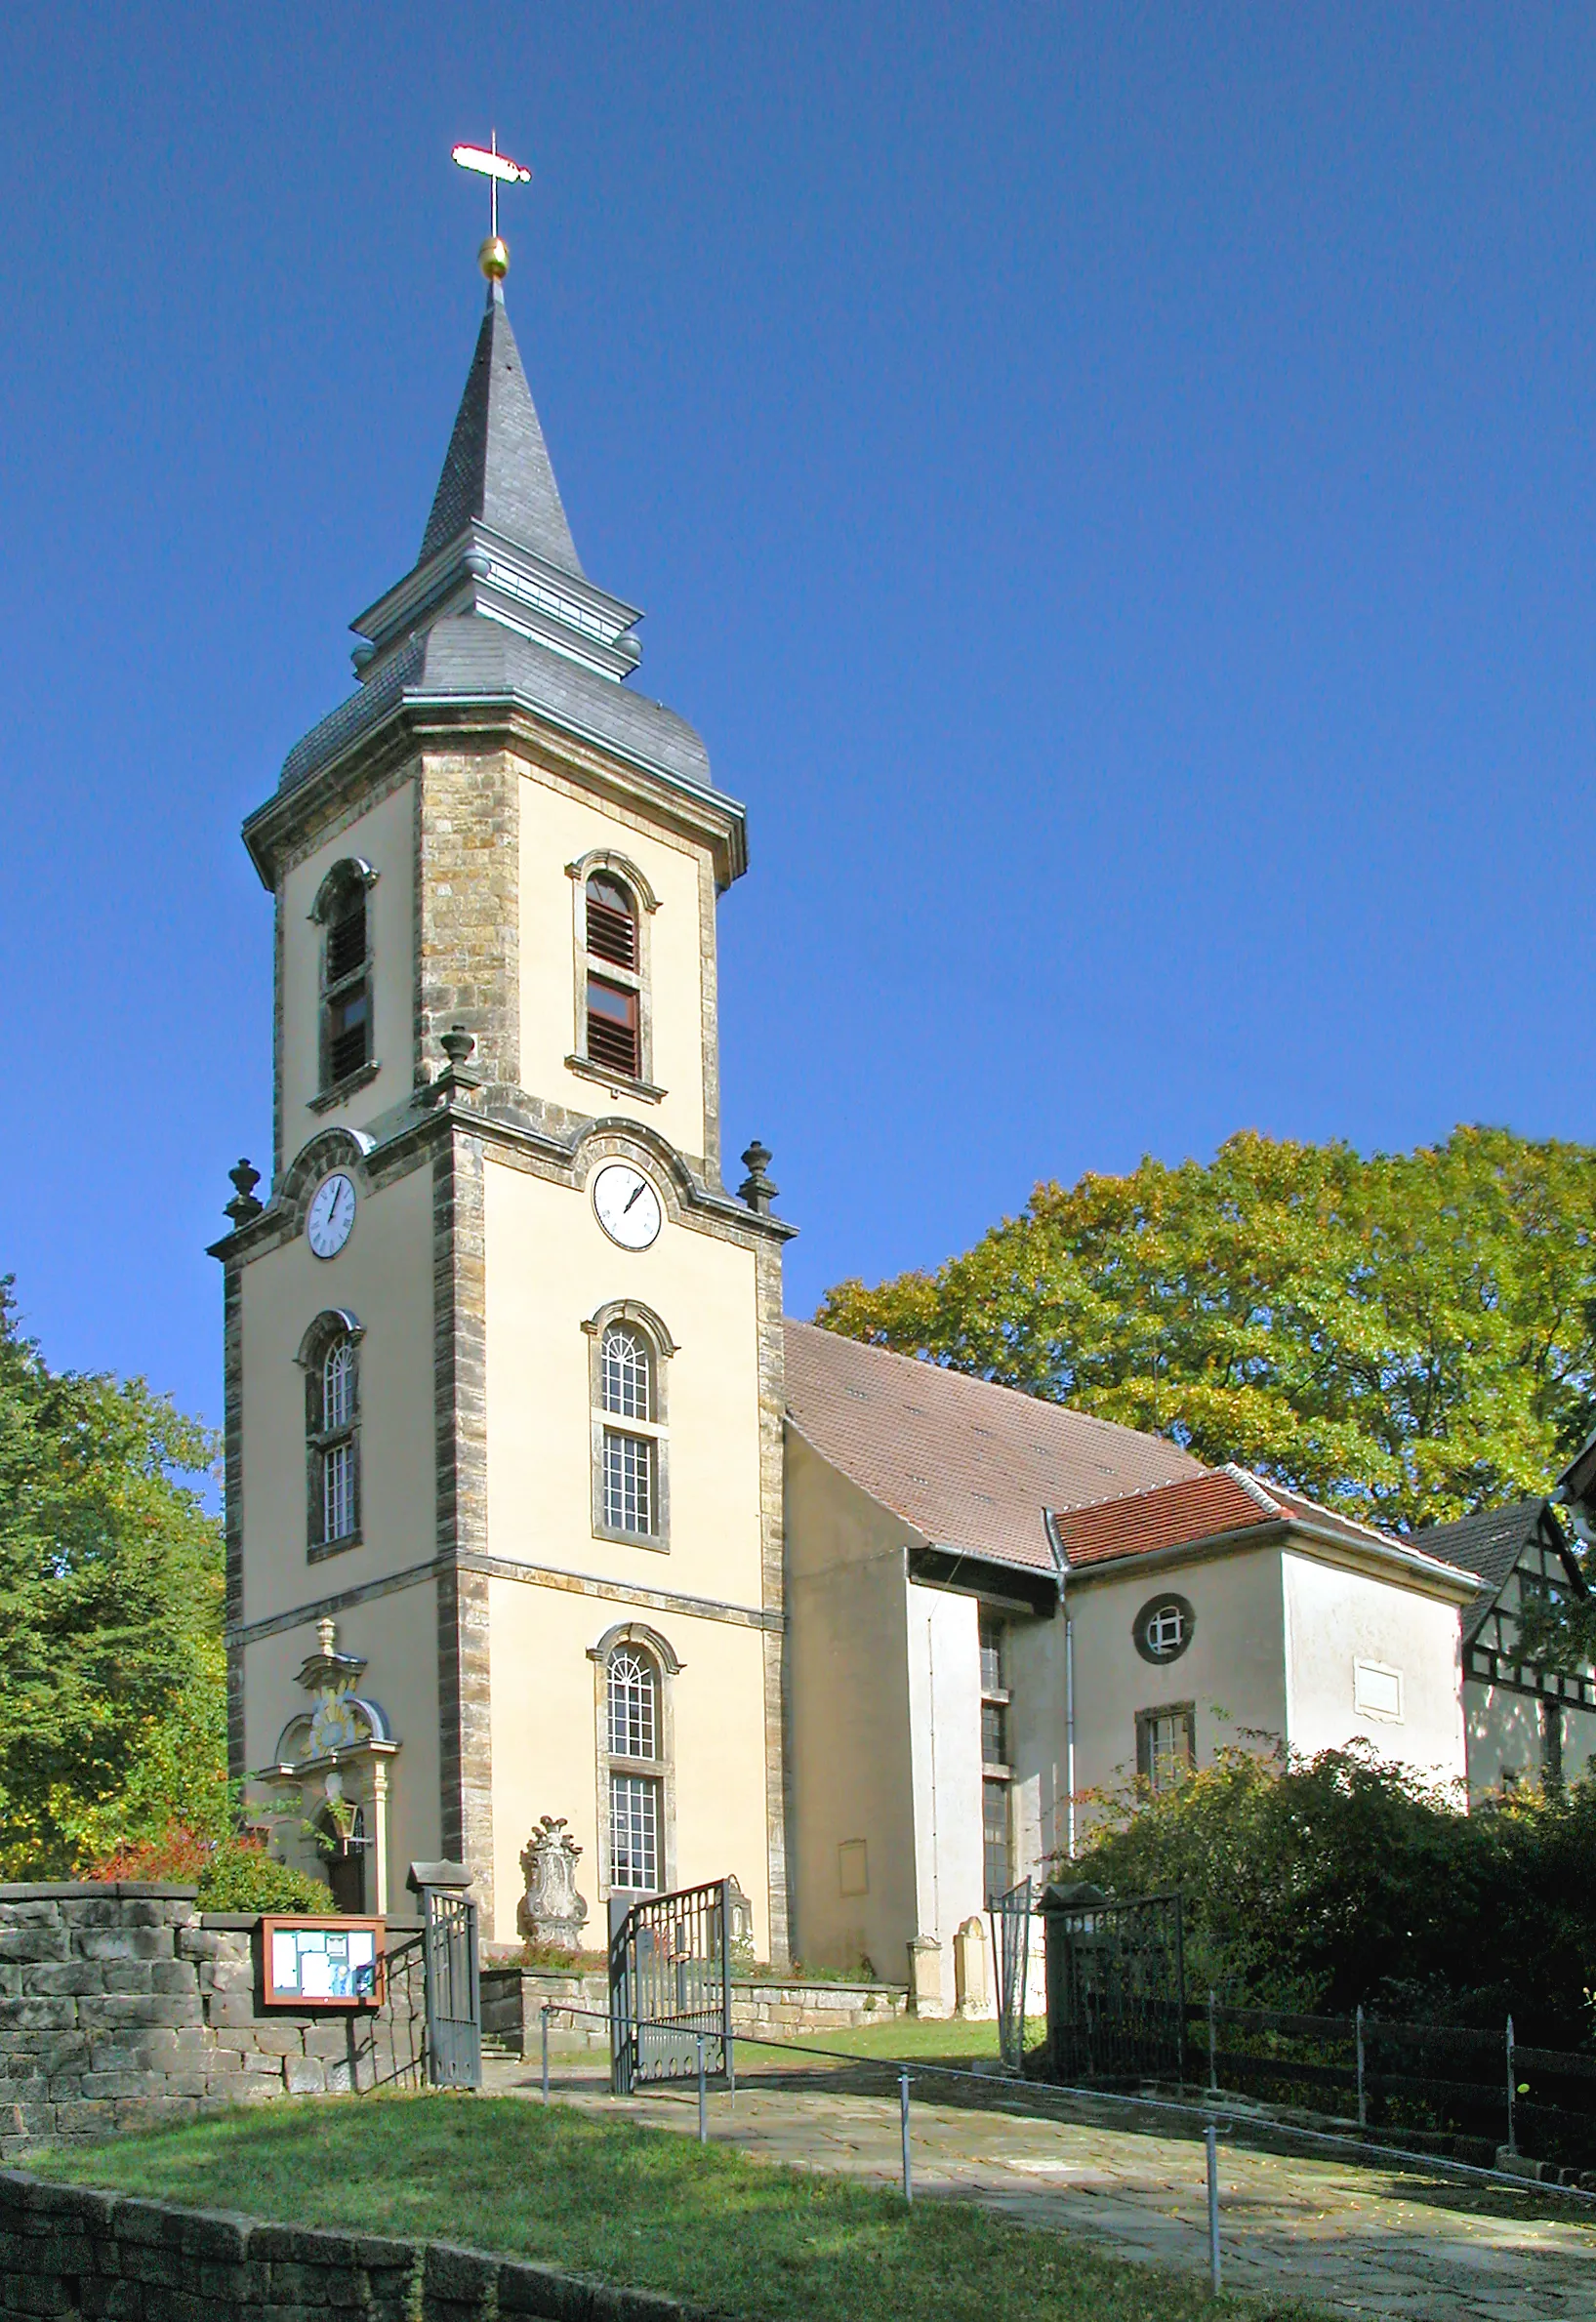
(338, 1386)
(629, 1481)
(633, 1728)
(1166, 1630)
(337, 1491)
(626, 1384)
(635, 1832)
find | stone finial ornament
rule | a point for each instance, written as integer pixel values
(552, 1910)
(757, 1189)
(243, 1207)
(457, 1044)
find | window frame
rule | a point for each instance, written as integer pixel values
(630, 1313)
(1147, 1721)
(605, 862)
(349, 874)
(655, 1652)
(333, 1326)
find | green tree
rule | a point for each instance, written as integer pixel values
(113, 1690)
(1408, 1337)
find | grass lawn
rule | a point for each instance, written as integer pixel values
(634, 2205)
(911, 2037)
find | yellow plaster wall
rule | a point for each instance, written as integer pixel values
(385, 835)
(852, 1769)
(383, 1277)
(546, 1744)
(1335, 1617)
(550, 1267)
(557, 829)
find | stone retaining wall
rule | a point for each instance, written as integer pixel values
(121, 2005)
(70, 2251)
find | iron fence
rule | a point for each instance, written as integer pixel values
(670, 1987)
(1115, 1986)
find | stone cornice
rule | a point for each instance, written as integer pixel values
(449, 722)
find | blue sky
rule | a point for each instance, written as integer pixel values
(1113, 486)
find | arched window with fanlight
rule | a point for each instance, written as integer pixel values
(635, 1668)
(631, 1348)
(342, 909)
(614, 903)
(330, 1357)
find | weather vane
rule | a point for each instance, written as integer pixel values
(488, 162)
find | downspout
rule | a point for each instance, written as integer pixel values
(1061, 1563)
(1069, 1723)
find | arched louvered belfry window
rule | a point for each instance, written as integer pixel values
(614, 982)
(331, 1359)
(630, 1440)
(341, 908)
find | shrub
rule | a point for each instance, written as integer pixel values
(235, 1873)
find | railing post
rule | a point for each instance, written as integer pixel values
(1214, 2075)
(1512, 2094)
(703, 2111)
(903, 2117)
(545, 2052)
(725, 1988)
(1210, 2138)
(1362, 2100)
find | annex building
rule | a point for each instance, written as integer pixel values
(537, 1506)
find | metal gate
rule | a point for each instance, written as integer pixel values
(1012, 1950)
(451, 1974)
(1115, 1986)
(670, 1986)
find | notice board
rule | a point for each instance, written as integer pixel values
(321, 1963)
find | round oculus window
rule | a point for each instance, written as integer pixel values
(1163, 1629)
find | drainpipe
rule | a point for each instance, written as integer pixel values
(1069, 1724)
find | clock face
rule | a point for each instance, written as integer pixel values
(331, 1215)
(627, 1205)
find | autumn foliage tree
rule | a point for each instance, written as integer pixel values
(1408, 1337)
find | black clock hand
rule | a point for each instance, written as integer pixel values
(638, 1188)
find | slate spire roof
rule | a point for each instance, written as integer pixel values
(498, 469)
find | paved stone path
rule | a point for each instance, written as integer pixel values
(1346, 2236)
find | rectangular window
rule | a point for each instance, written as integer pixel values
(995, 1839)
(348, 1025)
(629, 1481)
(993, 1734)
(337, 1492)
(612, 1026)
(1165, 1744)
(633, 1832)
(347, 941)
(992, 1657)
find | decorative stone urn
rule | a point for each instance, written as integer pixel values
(552, 1910)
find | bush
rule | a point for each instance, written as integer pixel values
(234, 1873)
(1325, 1883)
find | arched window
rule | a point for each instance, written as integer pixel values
(629, 1425)
(636, 1772)
(346, 973)
(331, 1359)
(614, 903)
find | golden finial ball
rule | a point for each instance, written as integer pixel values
(494, 257)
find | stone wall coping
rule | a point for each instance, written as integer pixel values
(81, 1889)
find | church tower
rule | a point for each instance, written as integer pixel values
(504, 1384)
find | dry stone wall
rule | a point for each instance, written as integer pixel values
(120, 2005)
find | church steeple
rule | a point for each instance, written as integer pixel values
(497, 472)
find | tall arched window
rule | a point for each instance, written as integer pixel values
(614, 999)
(630, 1502)
(346, 973)
(331, 1359)
(636, 1818)
(614, 904)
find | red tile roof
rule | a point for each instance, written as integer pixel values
(1211, 1506)
(967, 1464)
